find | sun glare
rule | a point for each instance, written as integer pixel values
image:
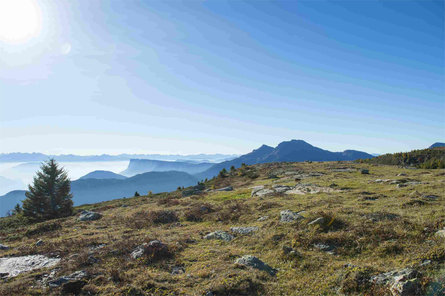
(20, 20)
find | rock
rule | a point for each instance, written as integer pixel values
(4, 275)
(389, 277)
(89, 216)
(440, 233)
(310, 189)
(263, 192)
(16, 265)
(228, 188)
(254, 262)
(401, 175)
(70, 282)
(318, 221)
(4, 247)
(151, 248)
(39, 242)
(244, 230)
(178, 270)
(92, 260)
(192, 191)
(291, 252)
(325, 248)
(364, 172)
(263, 218)
(281, 188)
(430, 196)
(219, 234)
(287, 216)
(255, 189)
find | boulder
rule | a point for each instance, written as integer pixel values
(78, 275)
(89, 216)
(219, 234)
(4, 247)
(440, 233)
(178, 270)
(281, 188)
(254, 262)
(287, 216)
(228, 188)
(325, 248)
(263, 192)
(244, 230)
(16, 265)
(39, 242)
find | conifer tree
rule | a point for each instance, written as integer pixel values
(49, 196)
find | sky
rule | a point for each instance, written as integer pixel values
(188, 77)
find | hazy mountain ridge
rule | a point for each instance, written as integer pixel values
(139, 166)
(86, 191)
(100, 174)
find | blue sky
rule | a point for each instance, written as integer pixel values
(225, 76)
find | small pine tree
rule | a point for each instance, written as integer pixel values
(136, 194)
(232, 169)
(17, 209)
(223, 173)
(49, 196)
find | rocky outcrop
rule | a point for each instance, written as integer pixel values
(89, 216)
(404, 282)
(254, 262)
(220, 235)
(288, 216)
(244, 230)
(13, 266)
(154, 248)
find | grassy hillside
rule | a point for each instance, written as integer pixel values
(371, 223)
(426, 158)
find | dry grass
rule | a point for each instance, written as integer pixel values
(375, 227)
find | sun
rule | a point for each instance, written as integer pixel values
(20, 20)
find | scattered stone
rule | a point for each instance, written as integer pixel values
(254, 262)
(388, 277)
(291, 252)
(3, 275)
(71, 284)
(263, 218)
(178, 270)
(89, 216)
(39, 242)
(325, 248)
(287, 216)
(342, 170)
(403, 282)
(255, 189)
(221, 235)
(441, 233)
(430, 196)
(401, 175)
(310, 189)
(263, 192)
(364, 172)
(4, 247)
(281, 188)
(380, 216)
(92, 260)
(16, 265)
(244, 230)
(318, 221)
(193, 190)
(228, 188)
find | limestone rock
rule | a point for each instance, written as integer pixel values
(254, 262)
(244, 230)
(89, 216)
(287, 216)
(219, 234)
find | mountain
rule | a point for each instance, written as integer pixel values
(139, 166)
(437, 144)
(102, 175)
(289, 151)
(39, 157)
(86, 191)
(9, 200)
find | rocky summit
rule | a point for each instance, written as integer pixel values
(266, 229)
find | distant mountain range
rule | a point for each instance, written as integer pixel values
(102, 175)
(139, 166)
(437, 144)
(29, 157)
(289, 151)
(90, 190)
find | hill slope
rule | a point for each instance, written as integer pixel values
(289, 151)
(437, 144)
(351, 230)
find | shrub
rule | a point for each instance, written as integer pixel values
(162, 217)
(43, 227)
(196, 213)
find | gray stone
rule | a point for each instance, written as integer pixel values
(244, 230)
(228, 188)
(219, 234)
(178, 270)
(39, 242)
(148, 248)
(291, 252)
(325, 248)
(440, 233)
(263, 218)
(89, 216)
(430, 196)
(255, 189)
(364, 171)
(318, 221)
(281, 188)
(16, 265)
(263, 192)
(78, 275)
(254, 262)
(389, 277)
(401, 175)
(4, 247)
(287, 216)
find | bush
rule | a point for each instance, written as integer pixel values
(196, 213)
(43, 228)
(162, 217)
